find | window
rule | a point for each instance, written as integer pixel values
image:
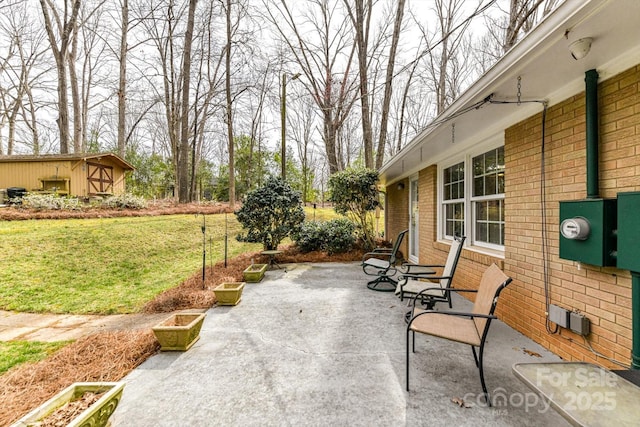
(453, 200)
(473, 199)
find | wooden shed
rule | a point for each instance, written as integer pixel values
(81, 175)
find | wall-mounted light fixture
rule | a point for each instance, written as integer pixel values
(400, 186)
(580, 48)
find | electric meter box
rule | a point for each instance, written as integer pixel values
(629, 231)
(587, 231)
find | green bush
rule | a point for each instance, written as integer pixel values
(339, 236)
(335, 236)
(354, 193)
(50, 202)
(124, 201)
(310, 236)
(270, 213)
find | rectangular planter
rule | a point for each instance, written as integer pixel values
(229, 293)
(179, 332)
(254, 273)
(96, 415)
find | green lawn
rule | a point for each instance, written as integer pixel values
(13, 353)
(108, 265)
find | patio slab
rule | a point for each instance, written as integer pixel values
(312, 346)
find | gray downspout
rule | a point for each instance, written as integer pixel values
(591, 105)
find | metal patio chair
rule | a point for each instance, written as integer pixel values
(414, 281)
(381, 263)
(467, 328)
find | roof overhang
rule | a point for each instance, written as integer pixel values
(69, 157)
(547, 71)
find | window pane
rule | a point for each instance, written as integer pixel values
(494, 210)
(494, 234)
(481, 232)
(478, 165)
(490, 162)
(490, 185)
(501, 183)
(481, 211)
(478, 186)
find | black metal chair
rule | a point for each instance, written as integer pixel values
(381, 263)
(468, 328)
(413, 283)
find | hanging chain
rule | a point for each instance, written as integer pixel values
(453, 133)
(519, 89)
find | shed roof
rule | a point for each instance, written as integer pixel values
(68, 157)
(548, 72)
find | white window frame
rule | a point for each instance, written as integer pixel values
(469, 200)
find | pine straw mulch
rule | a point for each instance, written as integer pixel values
(110, 356)
(17, 213)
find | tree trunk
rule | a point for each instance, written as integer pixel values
(388, 85)
(183, 160)
(122, 80)
(229, 118)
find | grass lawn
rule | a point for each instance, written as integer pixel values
(15, 352)
(108, 265)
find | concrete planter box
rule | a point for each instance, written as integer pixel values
(96, 415)
(229, 293)
(179, 332)
(254, 273)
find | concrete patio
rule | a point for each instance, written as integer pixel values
(311, 345)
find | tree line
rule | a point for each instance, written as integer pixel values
(192, 92)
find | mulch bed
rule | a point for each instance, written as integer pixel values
(16, 213)
(109, 356)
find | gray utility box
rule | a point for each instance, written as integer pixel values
(599, 245)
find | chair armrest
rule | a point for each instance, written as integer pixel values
(456, 313)
(408, 266)
(437, 288)
(422, 276)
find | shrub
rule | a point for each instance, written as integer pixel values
(50, 202)
(310, 236)
(124, 201)
(339, 237)
(355, 194)
(335, 236)
(270, 213)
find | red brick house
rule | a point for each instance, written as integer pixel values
(491, 170)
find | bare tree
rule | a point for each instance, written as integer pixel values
(183, 152)
(229, 106)
(63, 22)
(122, 76)
(318, 51)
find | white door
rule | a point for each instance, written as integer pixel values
(413, 220)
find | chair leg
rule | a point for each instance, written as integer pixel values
(386, 283)
(475, 356)
(484, 386)
(407, 361)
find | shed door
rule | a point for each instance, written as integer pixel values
(100, 178)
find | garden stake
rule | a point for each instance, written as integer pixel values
(204, 246)
(225, 240)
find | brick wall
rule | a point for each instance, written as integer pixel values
(396, 214)
(602, 294)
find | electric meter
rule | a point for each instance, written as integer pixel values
(575, 228)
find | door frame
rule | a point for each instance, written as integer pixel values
(414, 219)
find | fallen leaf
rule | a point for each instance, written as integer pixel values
(460, 402)
(531, 353)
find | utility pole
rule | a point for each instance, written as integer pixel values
(283, 116)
